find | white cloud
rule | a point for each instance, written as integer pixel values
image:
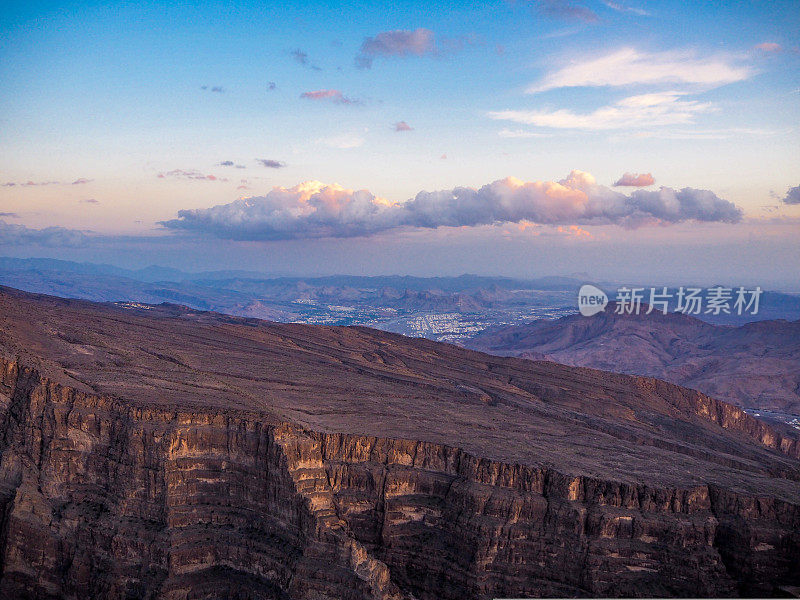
(314, 209)
(629, 66)
(521, 134)
(633, 112)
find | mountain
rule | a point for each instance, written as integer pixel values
(755, 366)
(166, 452)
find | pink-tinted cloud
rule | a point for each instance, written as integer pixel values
(768, 47)
(400, 42)
(29, 183)
(635, 180)
(315, 210)
(402, 126)
(39, 183)
(334, 96)
(193, 175)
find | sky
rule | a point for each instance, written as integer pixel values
(650, 140)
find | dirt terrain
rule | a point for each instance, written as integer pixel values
(163, 452)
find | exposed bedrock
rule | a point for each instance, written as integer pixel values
(101, 498)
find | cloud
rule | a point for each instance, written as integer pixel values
(619, 7)
(51, 237)
(39, 183)
(79, 181)
(402, 126)
(520, 134)
(792, 196)
(271, 85)
(635, 180)
(314, 209)
(400, 42)
(90, 201)
(226, 163)
(629, 66)
(334, 96)
(301, 57)
(218, 89)
(194, 175)
(768, 47)
(271, 164)
(569, 11)
(645, 110)
(9, 215)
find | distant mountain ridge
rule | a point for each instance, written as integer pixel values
(756, 365)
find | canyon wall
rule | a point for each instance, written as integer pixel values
(105, 498)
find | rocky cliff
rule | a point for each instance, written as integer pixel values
(135, 495)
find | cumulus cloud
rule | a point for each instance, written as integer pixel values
(271, 164)
(402, 126)
(629, 66)
(189, 174)
(635, 180)
(792, 196)
(634, 112)
(314, 209)
(563, 9)
(334, 96)
(400, 42)
(51, 237)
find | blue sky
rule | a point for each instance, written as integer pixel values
(141, 103)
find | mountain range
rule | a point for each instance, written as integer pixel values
(166, 452)
(756, 365)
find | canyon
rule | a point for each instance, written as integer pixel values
(166, 452)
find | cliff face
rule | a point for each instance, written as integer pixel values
(103, 498)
